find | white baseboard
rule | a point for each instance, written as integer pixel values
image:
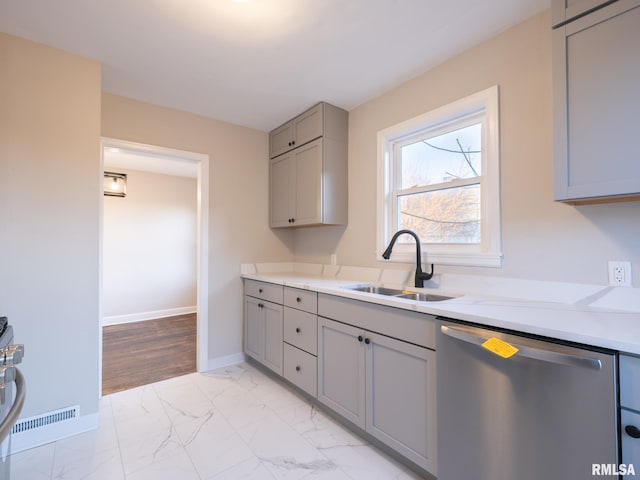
(152, 315)
(50, 433)
(221, 362)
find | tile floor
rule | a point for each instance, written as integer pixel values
(228, 424)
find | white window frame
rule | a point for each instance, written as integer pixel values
(488, 253)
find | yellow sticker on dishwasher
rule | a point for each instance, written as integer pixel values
(500, 347)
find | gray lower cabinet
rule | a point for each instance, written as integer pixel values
(383, 385)
(300, 339)
(630, 409)
(263, 332)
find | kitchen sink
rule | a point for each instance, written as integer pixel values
(399, 293)
(424, 297)
(378, 290)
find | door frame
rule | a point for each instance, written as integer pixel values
(203, 180)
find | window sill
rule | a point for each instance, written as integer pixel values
(470, 259)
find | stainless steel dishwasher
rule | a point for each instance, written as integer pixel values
(546, 411)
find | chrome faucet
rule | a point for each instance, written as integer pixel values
(420, 275)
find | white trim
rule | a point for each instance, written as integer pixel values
(51, 433)
(489, 252)
(221, 362)
(202, 236)
(151, 315)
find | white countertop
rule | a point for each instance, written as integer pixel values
(583, 320)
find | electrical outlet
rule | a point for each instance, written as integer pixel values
(620, 274)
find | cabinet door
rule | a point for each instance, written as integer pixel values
(280, 187)
(566, 10)
(253, 328)
(281, 140)
(341, 373)
(401, 398)
(273, 337)
(596, 77)
(307, 198)
(630, 442)
(308, 126)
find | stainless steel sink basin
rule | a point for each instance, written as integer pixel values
(424, 297)
(399, 293)
(378, 290)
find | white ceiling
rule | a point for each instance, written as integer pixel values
(116, 159)
(260, 62)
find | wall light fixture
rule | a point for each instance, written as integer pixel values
(115, 184)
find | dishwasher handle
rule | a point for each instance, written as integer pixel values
(541, 354)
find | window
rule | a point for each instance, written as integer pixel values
(439, 175)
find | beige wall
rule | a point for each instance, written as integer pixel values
(238, 223)
(541, 239)
(149, 246)
(49, 219)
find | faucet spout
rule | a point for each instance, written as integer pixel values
(420, 276)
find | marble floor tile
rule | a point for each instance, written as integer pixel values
(233, 423)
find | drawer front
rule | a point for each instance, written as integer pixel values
(412, 327)
(301, 299)
(301, 330)
(265, 291)
(301, 369)
(630, 444)
(630, 382)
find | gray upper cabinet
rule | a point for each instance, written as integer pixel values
(308, 169)
(304, 128)
(596, 69)
(563, 11)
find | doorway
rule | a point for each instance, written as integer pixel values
(151, 158)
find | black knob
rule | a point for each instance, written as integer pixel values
(293, 220)
(260, 305)
(293, 143)
(632, 431)
(298, 368)
(367, 341)
(360, 338)
(260, 291)
(298, 299)
(298, 330)
(289, 143)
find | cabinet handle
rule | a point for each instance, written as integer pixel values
(298, 368)
(632, 431)
(367, 341)
(293, 143)
(298, 299)
(260, 290)
(298, 330)
(360, 338)
(260, 305)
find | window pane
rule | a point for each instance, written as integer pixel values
(451, 215)
(455, 154)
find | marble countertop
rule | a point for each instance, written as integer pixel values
(586, 317)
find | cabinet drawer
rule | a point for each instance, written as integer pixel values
(301, 299)
(265, 291)
(630, 382)
(301, 330)
(630, 445)
(301, 369)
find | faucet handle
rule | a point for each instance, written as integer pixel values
(12, 354)
(7, 374)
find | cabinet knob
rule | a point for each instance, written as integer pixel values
(298, 299)
(298, 330)
(632, 431)
(260, 290)
(298, 368)
(260, 305)
(360, 338)
(367, 341)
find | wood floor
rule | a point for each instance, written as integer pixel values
(135, 354)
